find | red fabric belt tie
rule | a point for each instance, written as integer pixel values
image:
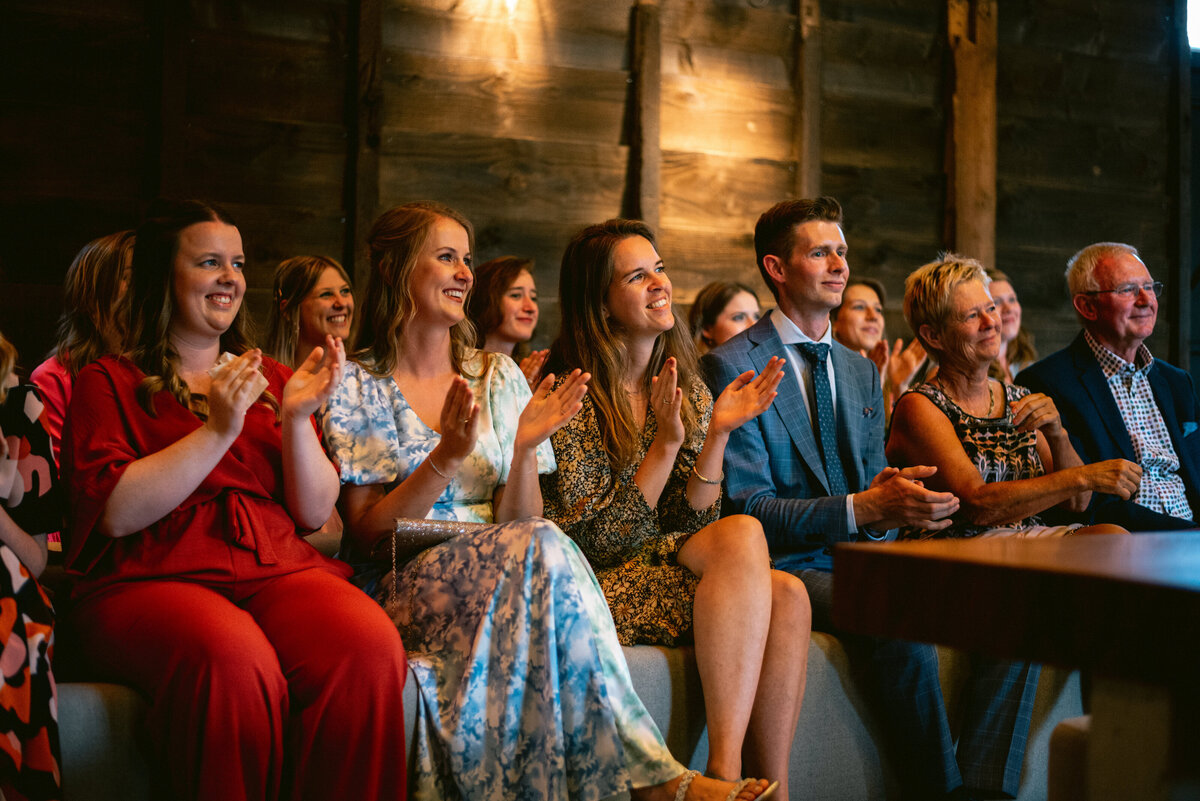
(246, 519)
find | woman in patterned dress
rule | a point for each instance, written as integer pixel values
(524, 692)
(638, 487)
(1001, 449)
(30, 506)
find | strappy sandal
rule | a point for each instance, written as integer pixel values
(686, 782)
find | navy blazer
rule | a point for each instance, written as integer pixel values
(1076, 382)
(773, 466)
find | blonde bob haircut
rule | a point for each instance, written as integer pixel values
(394, 245)
(929, 289)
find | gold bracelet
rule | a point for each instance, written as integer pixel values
(704, 480)
(431, 463)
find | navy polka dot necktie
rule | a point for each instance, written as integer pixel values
(816, 353)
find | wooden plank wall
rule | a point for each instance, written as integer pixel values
(306, 124)
(883, 134)
(1084, 137)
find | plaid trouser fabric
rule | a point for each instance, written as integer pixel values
(903, 678)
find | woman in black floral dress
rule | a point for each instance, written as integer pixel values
(638, 487)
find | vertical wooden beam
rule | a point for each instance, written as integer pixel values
(806, 85)
(364, 124)
(645, 147)
(1179, 185)
(971, 194)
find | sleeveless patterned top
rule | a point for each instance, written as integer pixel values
(999, 450)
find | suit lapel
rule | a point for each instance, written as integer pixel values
(852, 403)
(1091, 377)
(1170, 415)
(789, 405)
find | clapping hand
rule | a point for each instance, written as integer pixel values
(550, 408)
(903, 362)
(459, 423)
(746, 397)
(1036, 412)
(235, 386)
(532, 365)
(315, 379)
(666, 401)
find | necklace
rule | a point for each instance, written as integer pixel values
(991, 395)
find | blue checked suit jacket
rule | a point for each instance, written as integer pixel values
(1076, 382)
(773, 467)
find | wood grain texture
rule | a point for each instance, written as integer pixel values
(542, 181)
(567, 33)
(972, 134)
(727, 117)
(253, 161)
(726, 193)
(1116, 604)
(505, 99)
(265, 78)
(645, 139)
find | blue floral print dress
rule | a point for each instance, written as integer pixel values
(524, 691)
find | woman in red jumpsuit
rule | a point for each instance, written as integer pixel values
(192, 480)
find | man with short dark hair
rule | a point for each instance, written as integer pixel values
(812, 470)
(1118, 401)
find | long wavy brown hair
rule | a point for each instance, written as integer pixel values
(95, 313)
(592, 342)
(152, 304)
(395, 244)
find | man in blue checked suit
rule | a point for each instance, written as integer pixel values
(812, 470)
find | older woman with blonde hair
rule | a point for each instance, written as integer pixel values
(1001, 449)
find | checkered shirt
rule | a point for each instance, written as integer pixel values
(1162, 489)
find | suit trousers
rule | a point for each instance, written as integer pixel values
(282, 687)
(902, 678)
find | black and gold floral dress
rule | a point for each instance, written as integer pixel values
(632, 547)
(999, 450)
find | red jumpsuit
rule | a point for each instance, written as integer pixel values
(269, 675)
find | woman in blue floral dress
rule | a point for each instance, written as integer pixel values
(524, 692)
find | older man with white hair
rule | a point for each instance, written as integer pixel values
(1116, 399)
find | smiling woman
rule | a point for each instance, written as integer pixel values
(192, 478)
(504, 309)
(312, 300)
(639, 488)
